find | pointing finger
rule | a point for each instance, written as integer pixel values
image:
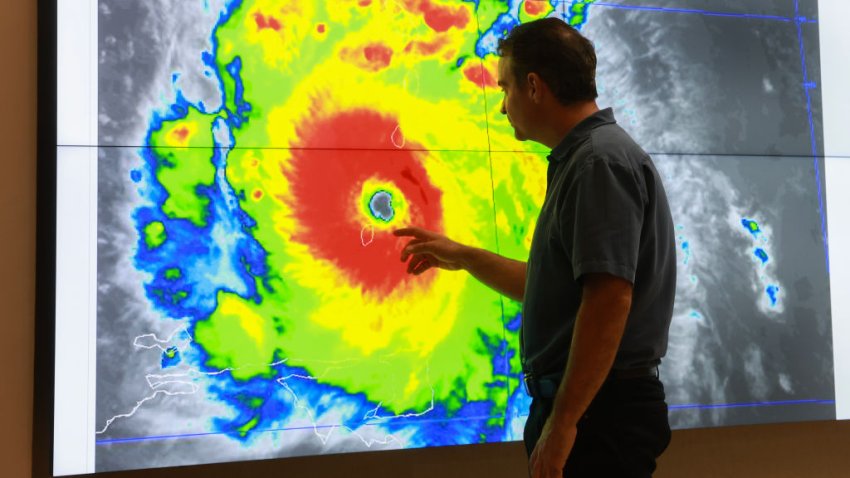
(409, 232)
(416, 232)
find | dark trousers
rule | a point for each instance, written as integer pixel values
(621, 434)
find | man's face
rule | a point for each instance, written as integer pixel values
(517, 103)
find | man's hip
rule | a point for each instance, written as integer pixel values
(621, 434)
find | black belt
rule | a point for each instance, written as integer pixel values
(546, 386)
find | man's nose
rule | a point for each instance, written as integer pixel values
(503, 110)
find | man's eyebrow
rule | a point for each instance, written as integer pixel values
(500, 83)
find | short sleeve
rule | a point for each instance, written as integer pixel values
(601, 219)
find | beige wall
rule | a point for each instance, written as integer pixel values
(799, 450)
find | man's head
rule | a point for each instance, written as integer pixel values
(544, 64)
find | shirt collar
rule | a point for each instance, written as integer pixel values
(580, 132)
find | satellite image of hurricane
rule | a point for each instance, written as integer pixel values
(256, 155)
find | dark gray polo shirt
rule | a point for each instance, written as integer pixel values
(605, 211)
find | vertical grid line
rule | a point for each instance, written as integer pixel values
(807, 85)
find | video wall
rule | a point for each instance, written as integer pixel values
(228, 184)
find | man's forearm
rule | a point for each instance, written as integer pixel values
(501, 274)
(599, 328)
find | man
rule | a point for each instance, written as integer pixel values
(599, 283)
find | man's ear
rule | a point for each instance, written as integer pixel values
(535, 87)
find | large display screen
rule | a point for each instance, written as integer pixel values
(229, 173)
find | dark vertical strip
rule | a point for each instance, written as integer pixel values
(45, 276)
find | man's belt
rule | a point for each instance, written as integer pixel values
(546, 386)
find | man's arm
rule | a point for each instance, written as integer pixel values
(606, 301)
(505, 276)
(428, 250)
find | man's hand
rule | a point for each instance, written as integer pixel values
(551, 452)
(428, 249)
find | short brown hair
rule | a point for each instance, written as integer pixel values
(563, 58)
